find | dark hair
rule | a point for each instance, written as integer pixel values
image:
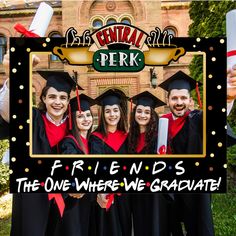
(150, 134)
(76, 132)
(41, 105)
(102, 126)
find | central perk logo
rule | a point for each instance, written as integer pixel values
(119, 48)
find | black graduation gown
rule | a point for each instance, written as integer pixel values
(149, 210)
(193, 209)
(32, 213)
(77, 219)
(4, 129)
(117, 220)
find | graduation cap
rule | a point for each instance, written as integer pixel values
(180, 80)
(59, 80)
(85, 103)
(111, 97)
(147, 99)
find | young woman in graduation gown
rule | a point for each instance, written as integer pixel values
(148, 210)
(77, 221)
(37, 213)
(111, 138)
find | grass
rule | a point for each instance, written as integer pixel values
(223, 207)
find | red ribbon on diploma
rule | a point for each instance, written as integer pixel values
(231, 53)
(110, 198)
(162, 149)
(59, 201)
(21, 29)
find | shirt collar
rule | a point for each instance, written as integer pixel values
(52, 121)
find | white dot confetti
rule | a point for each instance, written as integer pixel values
(14, 70)
(13, 159)
(223, 110)
(210, 76)
(212, 155)
(218, 86)
(13, 49)
(21, 87)
(28, 49)
(14, 116)
(198, 39)
(13, 139)
(48, 40)
(222, 41)
(213, 59)
(220, 144)
(213, 132)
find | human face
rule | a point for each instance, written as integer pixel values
(84, 120)
(179, 101)
(112, 116)
(143, 115)
(56, 103)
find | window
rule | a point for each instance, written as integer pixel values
(111, 21)
(126, 21)
(3, 46)
(171, 30)
(97, 24)
(54, 34)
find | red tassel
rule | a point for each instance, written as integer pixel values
(70, 117)
(21, 29)
(198, 96)
(78, 100)
(111, 198)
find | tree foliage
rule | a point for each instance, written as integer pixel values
(4, 170)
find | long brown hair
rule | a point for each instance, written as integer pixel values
(150, 134)
(102, 126)
(76, 132)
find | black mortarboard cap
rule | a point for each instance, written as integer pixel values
(179, 80)
(147, 99)
(85, 103)
(60, 80)
(111, 97)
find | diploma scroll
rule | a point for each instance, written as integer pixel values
(41, 19)
(162, 136)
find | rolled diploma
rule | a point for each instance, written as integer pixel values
(41, 19)
(231, 38)
(162, 134)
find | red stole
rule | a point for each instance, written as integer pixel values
(175, 125)
(141, 142)
(54, 133)
(113, 140)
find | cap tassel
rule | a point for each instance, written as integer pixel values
(131, 108)
(198, 96)
(70, 117)
(78, 100)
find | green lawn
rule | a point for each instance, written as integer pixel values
(223, 206)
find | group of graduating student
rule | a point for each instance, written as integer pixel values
(54, 131)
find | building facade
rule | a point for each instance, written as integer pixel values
(170, 15)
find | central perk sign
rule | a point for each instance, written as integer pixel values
(119, 48)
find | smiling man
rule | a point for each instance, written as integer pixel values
(185, 137)
(185, 125)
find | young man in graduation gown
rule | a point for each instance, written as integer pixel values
(38, 213)
(185, 137)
